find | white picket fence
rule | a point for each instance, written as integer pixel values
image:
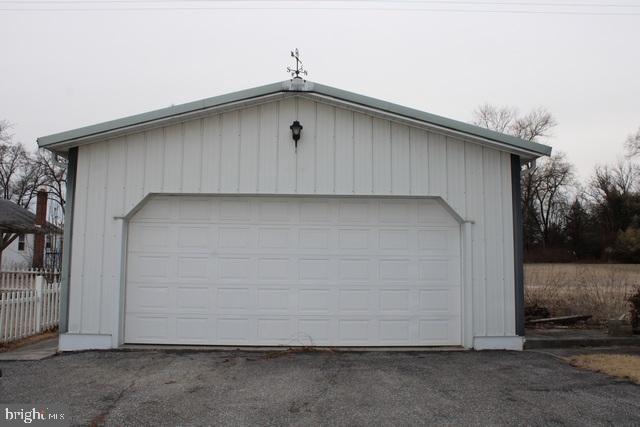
(28, 312)
(26, 279)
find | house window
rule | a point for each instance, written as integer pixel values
(48, 241)
(21, 242)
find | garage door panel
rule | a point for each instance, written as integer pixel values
(195, 209)
(149, 266)
(274, 237)
(194, 237)
(232, 299)
(314, 301)
(233, 330)
(353, 211)
(439, 331)
(233, 237)
(233, 209)
(193, 267)
(434, 241)
(355, 301)
(274, 329)
(314, 331)
(149, 297)
(274, 299)
(293, 271)
(193, 299)
(315, 211)
(148, 328)
(276, 211)
(353, 238)
(274, 269)
(439, 271)
(395, 270)
(314, 238)
(314, 269)
(234, 268)
(439, 301)
(395, 301)
(193, 330)
(394, 240)
(354, 331)
(157, 208)
(395, 331)
(396, 211)
(150, 237)
(270, 330)
(355, 269)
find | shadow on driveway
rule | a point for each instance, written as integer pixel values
(333, 388)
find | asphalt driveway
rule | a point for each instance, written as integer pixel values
(379, 388)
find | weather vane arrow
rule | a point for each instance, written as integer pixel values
(299, 69)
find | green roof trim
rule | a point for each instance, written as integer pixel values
(433, 119)
(163, 113)
(67, 138)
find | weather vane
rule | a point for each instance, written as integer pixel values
(298, 70)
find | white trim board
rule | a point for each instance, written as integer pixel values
(498, 343)
(75, 342)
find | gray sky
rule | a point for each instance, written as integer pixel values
(61, 70)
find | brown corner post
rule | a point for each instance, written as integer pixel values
(41, 220)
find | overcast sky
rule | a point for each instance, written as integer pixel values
(64, 69)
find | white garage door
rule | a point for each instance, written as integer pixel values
(293, 271)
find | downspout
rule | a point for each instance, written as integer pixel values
(518, 256)
(72, 165)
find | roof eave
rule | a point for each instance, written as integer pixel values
(523, 147)
(62, 139)
(60, 142)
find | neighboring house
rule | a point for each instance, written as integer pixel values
(206, 223)
(19, 254)
(26, 241)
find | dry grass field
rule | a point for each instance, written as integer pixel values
(618, 365)
(597, 289)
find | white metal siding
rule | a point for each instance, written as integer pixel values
(250, 151)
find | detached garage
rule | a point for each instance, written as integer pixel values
(293, 214)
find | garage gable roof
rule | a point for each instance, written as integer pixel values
(62, 141)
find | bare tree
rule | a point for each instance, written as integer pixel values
(537, 124)
(28, 180)
(12, 158)
(4, 131)
(622, 178)
(632, 145)
(54, 171)
(613, 192)
(554, 180)
(22, 173)
(494, 118)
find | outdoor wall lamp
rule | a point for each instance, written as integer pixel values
(296, 130)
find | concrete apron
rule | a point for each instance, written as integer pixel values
(35, 351)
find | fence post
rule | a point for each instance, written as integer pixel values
(39, 302)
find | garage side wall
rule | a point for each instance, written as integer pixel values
(250, 151)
